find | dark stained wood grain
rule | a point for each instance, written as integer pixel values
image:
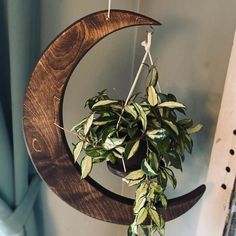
(43, 107)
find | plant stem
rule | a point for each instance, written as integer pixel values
(124, 166)
(66, 130)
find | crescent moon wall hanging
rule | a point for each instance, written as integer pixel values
(47, 144)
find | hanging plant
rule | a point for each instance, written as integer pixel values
(116, 131)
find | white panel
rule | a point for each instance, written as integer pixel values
(215, 205)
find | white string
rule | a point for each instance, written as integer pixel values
(147, 45)
(109, 9)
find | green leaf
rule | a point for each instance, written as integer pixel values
(163, 200)
(156, 187)
(78, 126)
(116, 106)
(131, 149)
(142, 115)
(188, 143)
(153, 161)
(130, 109)
(111, 143)
(135, 182)
(154, 76)
(145, 230)
(151, 194)
(88, 123)
(98, 159)
(195, 129)
(130, 232)
(186, 123)
(141, 190)
(117, 155)
(103, 120)
(86, 166)
(142, 215)
(134, 175)
(153, 229)
(161, 231)
(155, 217)
(172, 126)
(77, 150)
(139, 203)
(171, 177)
(172, 105)
(95, 152)
(134, 229)
(174, 160)
(132, 131)
(103, 103)
(152, 96)
(157, 134)
(147, 169)
(120, 149)
(111, 157)
(108, 132)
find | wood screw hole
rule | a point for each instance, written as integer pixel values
(231, 151)
(227, 169)
(234, 132)
(223, 186)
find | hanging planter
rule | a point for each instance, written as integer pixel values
(49, 150)
(141, 139)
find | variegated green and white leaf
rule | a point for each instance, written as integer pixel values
(139, 203)
(141, 190)
(147, 169)
(117, 155)
(134, 229)
(156, 187)
(152, 96)
(151, 194)
(195, 129)
(142, 215)
(103, 103)
(154, 76)
(116, 106)
(131, 149)
(130, 109)
(163, 200)
(142, 115)
(86, 166)
(172, 126)
(120, 149)
(77, 150)
(155, 216)
(111, 143)
(135, 175)
(88, 123)
(157, 134)
(172, 104)
(78, 126)
(135, 182)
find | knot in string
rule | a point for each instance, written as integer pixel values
(108, 10)
(147, 43)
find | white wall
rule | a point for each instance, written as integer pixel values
(193, 48)
(108, 65)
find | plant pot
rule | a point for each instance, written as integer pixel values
(132, 164)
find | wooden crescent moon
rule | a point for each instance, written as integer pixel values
(47, 144)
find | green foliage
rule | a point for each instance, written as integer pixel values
(115, 131)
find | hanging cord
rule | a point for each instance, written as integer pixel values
(147, 45)
(108, 10)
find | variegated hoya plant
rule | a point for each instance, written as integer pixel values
(115, 131)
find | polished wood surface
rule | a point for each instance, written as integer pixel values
(47, 144)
